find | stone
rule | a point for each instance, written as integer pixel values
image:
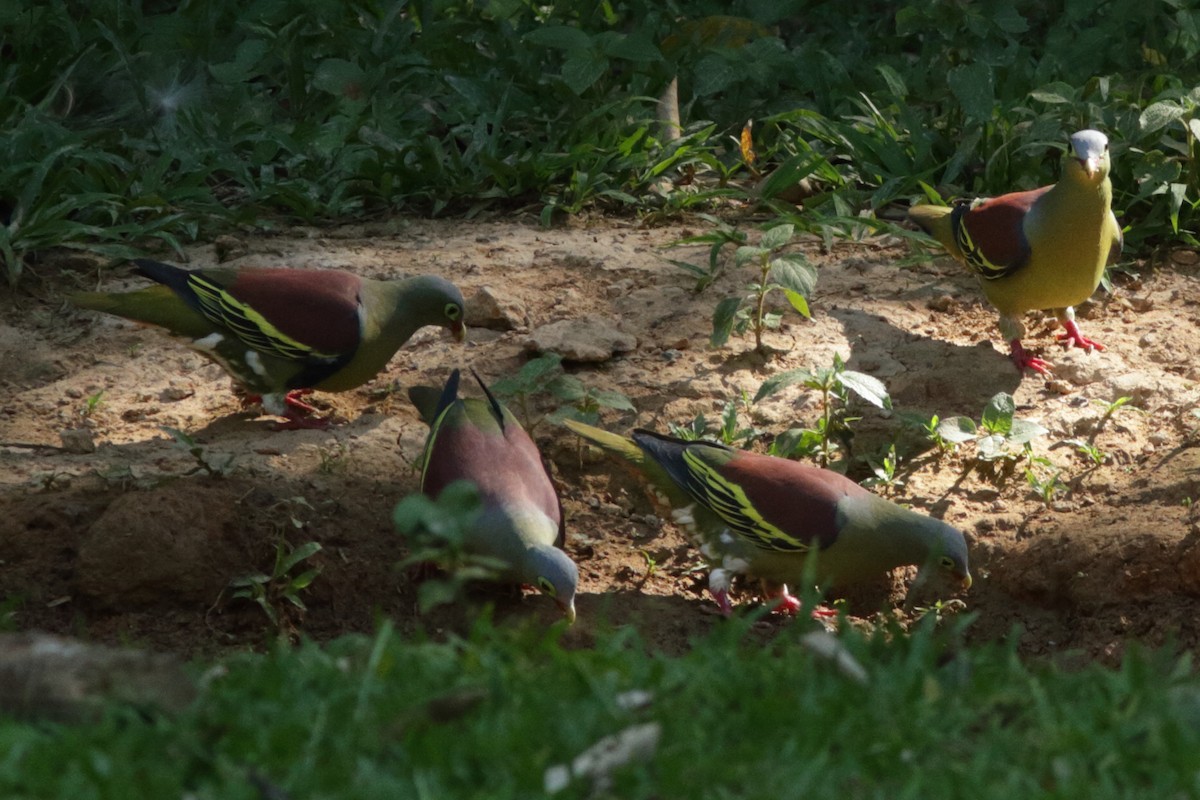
(495, 309)
(587, 339)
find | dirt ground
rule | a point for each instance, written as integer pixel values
(123, 544)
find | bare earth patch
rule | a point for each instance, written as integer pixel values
(121, 543)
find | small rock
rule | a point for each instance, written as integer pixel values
(495, 309)
(943, 302)
(173, 394)
(621, 287)
(78, 440)
(1141, 303)
(74, 393)
(589, 339)
(229, 247)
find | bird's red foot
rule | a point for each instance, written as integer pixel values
(722, 598)
(293, 400)
(1072, 336)
(1025, 359)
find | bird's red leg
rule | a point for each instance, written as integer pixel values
(722, 598)
(788, 604)
(1072, 336)
(1023, 358)
(293, 400)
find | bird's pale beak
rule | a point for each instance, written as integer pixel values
(459, 331)
(568, 610)
(966, 582)
(1090, 166)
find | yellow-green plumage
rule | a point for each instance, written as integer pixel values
(1041, 249)
(282, 332)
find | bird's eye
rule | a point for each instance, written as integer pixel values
(546, 587)
(453, 311)
(947, 562)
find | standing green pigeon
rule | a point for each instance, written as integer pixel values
(1041, 249)
(763, 516)
(521, 523)
(280, 333)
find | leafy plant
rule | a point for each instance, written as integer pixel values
(885, 469)
(789, 273)
(436, 533)
(835, 384)
(999, 435)
(728, 431)
(717, 238)
(1045, 480)
(275, 592)
(545, 375)
(214, 466)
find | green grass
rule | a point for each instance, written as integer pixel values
(485, 717)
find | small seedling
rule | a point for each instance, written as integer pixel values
(999, 435)
(1089, 450)
(93, 402)
(885, 469)
(275, 592)
(1048, 488)
(333, 458)
(835, 384)
(213, 466)
(545, 374)
(927, 426)
(789, 273)
(436, 532)
(717, 238)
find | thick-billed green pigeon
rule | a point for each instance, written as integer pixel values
(521, 524)
(764, 516)
(1040, 249)
(280, 333)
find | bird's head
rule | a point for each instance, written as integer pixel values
(433, 300)
(950, 551)
(556, 576)
(1089, 149)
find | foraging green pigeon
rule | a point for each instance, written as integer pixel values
(763, 516)
(522, 521)
(1041, 249)
(280, 333)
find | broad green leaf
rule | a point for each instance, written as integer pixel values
(560, 37)
(972, 86)
(780, 380)
(723, 319)
(998, 413)
(338, 76)
(991, 447)
(747, 253)
(793, 272)
(612, 399)
(296, 556)
(868, 387)
(568, 388)
(582, 69)
(713, 74)
(789, 173)
(637, 46)
(957, 429)
(1159, 115)
(777, 237)
(798, 302)
(1024, 430)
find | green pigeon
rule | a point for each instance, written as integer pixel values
(281, 333)
(521, 524)
(763, 516)
(1040, 249)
